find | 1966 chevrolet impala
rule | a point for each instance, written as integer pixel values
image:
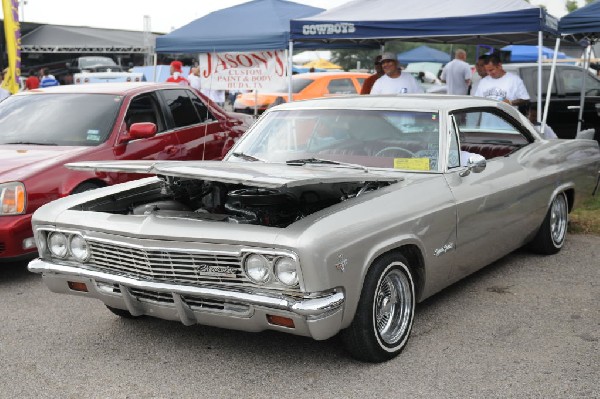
(328, 216)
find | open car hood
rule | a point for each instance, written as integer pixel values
(258, 174)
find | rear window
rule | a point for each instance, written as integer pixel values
(58, 119)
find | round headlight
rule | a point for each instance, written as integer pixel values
(57, 243)
(257, 268)
(286, 271)
(79, 247)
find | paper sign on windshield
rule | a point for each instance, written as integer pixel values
(411, 163)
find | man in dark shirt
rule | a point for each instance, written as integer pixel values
(368, 83)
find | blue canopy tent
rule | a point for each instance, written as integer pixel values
(255, 25)
(582, 25)
(526, 53)
(499, 22)
(423, 54)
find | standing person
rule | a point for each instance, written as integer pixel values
(47, 79)
(368, 83)
(479, 73)
(457, 74)
(194, 78)
(176, 72)
(394, 81)
(501, 85)
(32, 82)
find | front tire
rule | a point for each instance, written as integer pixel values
(385, 312)
(551, 236)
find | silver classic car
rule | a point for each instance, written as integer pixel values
(328, 216)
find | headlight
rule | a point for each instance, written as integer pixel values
(79, 247)
(286, 271)
(257, 268)
(12, 198)
(57, 243)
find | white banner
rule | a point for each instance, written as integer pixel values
(257, 70)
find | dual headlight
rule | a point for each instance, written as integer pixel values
(66, 245)
(262, 269)
(12, 198)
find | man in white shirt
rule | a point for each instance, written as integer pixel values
(478, 74)
(194, 77)
(393, 80)
(501, 85)
(457, 74)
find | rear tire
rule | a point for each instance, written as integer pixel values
(385, 313)
(122, 313)
(551, 235)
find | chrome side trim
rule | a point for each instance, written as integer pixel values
(312, 304)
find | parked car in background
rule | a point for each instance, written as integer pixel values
(329, 215)
(565, 101)
(566, 96)
(42, 129)
(304, 86)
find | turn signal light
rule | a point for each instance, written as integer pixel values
(75, 286)
(280, 321)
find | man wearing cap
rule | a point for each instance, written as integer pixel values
(370, 81)
(394, 81)
(176, 77)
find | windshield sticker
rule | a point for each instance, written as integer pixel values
(411, 163)
(93, 135)
(433, 117)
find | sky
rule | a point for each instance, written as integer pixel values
(165, 16)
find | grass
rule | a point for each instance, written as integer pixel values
(586, 218)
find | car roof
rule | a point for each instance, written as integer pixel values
(124, 88)
(441, 102)
(317, 75)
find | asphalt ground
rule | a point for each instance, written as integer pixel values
(526, 326)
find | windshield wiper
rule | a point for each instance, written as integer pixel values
(246, 157)
(304, 161)
(30, 143)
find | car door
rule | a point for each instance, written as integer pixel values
(492, 206)
(200, 134)
(164, 145)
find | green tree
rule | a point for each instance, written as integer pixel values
(571, 5)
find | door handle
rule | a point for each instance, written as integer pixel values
(170, 149)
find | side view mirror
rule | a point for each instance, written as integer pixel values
(475, 164)
(142, 130)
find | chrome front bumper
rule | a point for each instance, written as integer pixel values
(317, 315)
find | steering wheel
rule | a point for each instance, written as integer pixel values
(382, 151)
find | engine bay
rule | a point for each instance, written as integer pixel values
(178, 197)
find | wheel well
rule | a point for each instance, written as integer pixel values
(95, 182)
(413, 255)
(570, 193)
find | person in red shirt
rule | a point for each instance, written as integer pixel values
(176, 74)
(32, 82)
(368, 83)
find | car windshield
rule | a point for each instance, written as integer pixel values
(405, 140)
(58, 119)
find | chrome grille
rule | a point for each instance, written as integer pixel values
(182, 267)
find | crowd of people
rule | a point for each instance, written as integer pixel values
(193, 80)
(489, 80)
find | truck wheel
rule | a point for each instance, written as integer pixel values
(385, 312)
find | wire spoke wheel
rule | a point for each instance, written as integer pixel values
(558, 219)
(393, 306)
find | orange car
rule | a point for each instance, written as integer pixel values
(304, 86)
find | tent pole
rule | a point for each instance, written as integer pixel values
(586, 59)
(155, 66)
(539, 77)
(550, 82)
(290, 66)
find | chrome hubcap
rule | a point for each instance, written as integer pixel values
(393, 306)
(558, 219)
